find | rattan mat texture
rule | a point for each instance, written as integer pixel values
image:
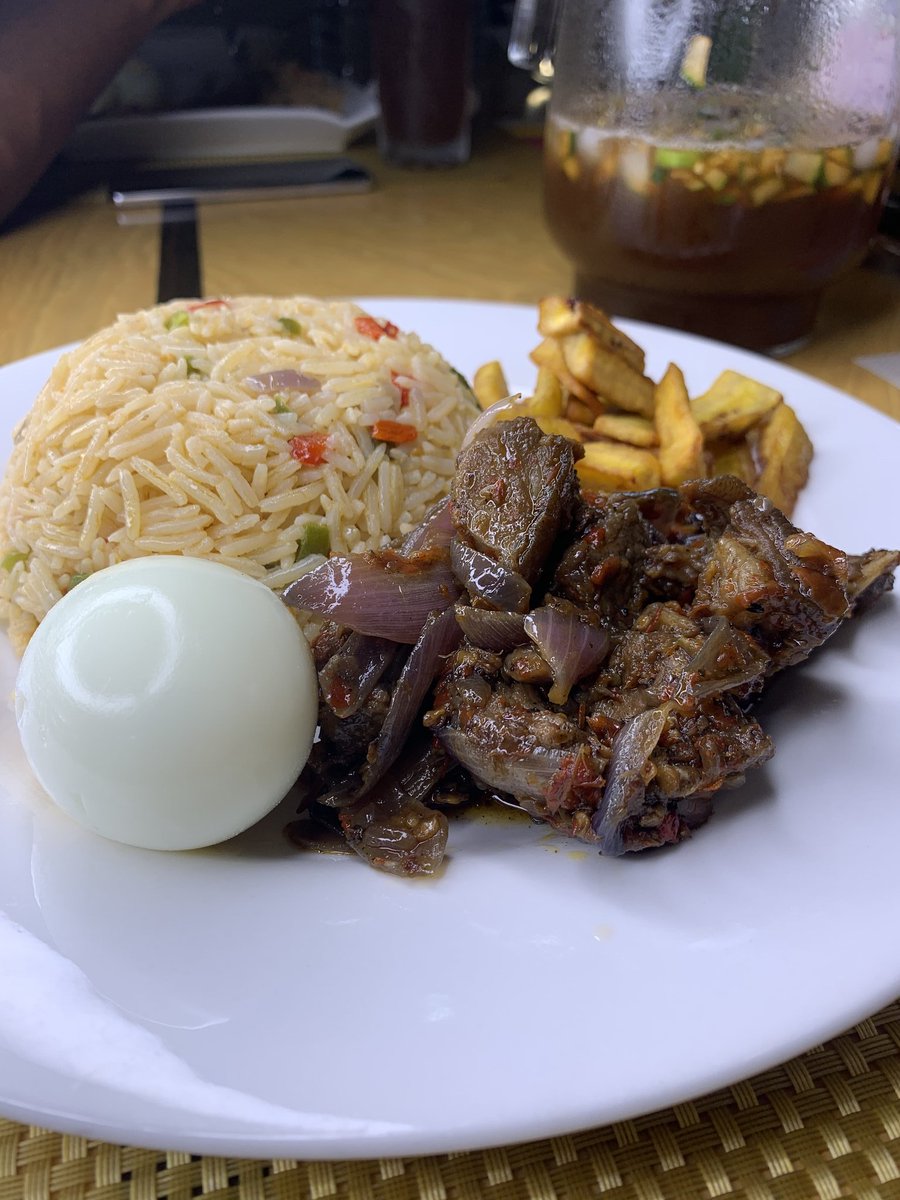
(824, 1125)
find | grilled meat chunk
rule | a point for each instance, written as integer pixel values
(869, 576)
(514, 492)
(602, 671)
(785, 588)
(602, 568)
(511, 741)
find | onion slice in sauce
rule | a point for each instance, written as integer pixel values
(727, 659)
(526, 773)
(570, 645)
(490, 630)
(386, 595)
(440, 636)
(626, 779)
(391, 827)
(509, 406)
(435, 530)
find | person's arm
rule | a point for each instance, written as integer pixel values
(56, 56)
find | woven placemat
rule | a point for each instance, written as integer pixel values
(822, 1126)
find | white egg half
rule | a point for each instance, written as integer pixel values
(167, 702)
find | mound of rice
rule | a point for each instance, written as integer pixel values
(165, 434)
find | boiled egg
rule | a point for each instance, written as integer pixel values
(167, 702)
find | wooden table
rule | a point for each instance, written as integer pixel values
(823, 1125)
(475, 232)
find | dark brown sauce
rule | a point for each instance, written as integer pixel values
(492, 812)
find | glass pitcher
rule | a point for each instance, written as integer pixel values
(713, 164)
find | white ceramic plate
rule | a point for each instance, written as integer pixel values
(249, 1000)
(217, 133)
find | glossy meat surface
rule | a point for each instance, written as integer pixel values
(601, 666)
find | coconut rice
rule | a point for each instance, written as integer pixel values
(155, 437)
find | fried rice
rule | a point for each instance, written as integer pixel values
(258, 432)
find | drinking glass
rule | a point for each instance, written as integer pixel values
(423, 65)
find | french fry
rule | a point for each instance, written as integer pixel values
(580, 413)
(615, 467)
(489, 384)
(606, 375)
(680, 440)
(548, 399)
(558, 317)
(732, 458)
(785, 451)
(609, 336)
(560, 426)
(548, 354)
(591, 387)
(733, 405)
(622, 427)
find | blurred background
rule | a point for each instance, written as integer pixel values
(310, 53)
(238, 79)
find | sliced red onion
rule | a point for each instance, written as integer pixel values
(490, 630)
(509, 406)
(383, 595)
(704, 661)
(286, 380)
(482, 577)
(570, 645)
(626, 782)
(435, 530)
(727, 659)
(524, 772)
(349, 676)
(439, 637)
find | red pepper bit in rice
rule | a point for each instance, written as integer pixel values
(395, 432)
(208, 304)
(373, 329)
(309, 448)
(402, 388)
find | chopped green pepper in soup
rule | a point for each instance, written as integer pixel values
(710, 198)
(749, 174)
